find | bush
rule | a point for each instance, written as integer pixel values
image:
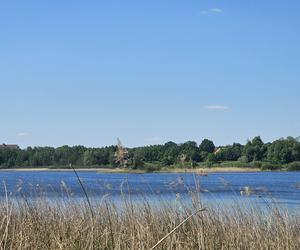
(212, 158)
(207, 164)
(257, 164)
(238, 164)
(151, 168)
(270, 166)
(293, 166)
(243, 159)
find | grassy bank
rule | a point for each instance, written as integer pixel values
(128, 170)
(210, 170)
(74, 226)
(208, 167)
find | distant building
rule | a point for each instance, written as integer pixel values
(9, 146)
(217, 150)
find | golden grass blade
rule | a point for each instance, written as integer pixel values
(175, 228)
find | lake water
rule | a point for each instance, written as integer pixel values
(280, 187)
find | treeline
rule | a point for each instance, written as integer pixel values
(275, 155)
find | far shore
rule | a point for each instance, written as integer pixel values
(124, 170)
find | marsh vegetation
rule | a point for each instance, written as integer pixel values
(181, 223)
(71, 226)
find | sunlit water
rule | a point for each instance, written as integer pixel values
(222, 188)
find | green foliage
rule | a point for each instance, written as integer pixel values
(243, 159)
(239, 164)
(293, 166)
(271, 166)
(269, 156)
(203, 155)
(190, 149)
(207, 146)
(137, 161)
(230, 153)
(152, 167)
(255, 150)
(89, 158)
(212, 158)
(207, 164)
(284, 150)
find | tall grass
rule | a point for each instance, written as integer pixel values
(43, 224)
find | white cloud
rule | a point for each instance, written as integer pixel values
(214, 10)
(23, 134)
(218, 10)
(216, 107)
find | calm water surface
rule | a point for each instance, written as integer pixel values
(279, 187)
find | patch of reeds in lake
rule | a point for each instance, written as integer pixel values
(44, 224)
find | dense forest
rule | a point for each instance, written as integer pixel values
(280, 154)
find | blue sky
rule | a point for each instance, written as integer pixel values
(87, 72)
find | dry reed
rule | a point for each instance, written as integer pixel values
(47, 224)
(43, 225)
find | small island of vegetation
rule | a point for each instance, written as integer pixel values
(281, 154)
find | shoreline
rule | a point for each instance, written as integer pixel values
(138, 171)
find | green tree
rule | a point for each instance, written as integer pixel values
(211, 157)
(170, 153)
(207, 146)
(191, 150)
(89, 158)
(255, 150)
(230, 153)
(284, 151)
